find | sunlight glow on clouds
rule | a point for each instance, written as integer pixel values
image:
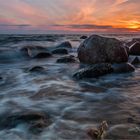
(69, 16)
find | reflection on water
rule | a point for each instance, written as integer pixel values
(73, 106)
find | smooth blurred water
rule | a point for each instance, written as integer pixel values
(74, 106)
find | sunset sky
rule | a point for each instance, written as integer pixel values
(69, 16)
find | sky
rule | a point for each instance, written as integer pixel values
(69, 16)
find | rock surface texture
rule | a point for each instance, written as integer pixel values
(97, 49)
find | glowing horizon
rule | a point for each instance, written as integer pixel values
(56, 16)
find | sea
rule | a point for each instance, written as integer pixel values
(52, 105)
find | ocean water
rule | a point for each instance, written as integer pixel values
(73, 106)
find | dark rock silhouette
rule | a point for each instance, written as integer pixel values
(94, 71)
(135, 49)
(97, 49)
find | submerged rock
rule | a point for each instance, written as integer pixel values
(31, 118)
(123, 68)
(60, 51)
(36, 69)
(94, 71)
(135, 49)
(97, 49)
(66, 59)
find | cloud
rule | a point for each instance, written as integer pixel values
(85, 26)
(81, 15)
(14, 25)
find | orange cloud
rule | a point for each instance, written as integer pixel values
(120, 15)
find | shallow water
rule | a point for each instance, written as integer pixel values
(73, 106)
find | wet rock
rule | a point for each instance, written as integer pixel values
(136, 60)
(60, 51)
(99, 132)
(33, 51)
(36, 69)
(123, 68)
(97, 49)
(66, 59)
(127, 49)
(65, 45)
(94, 71)
(83, 37)
(43, 55)
(35, 120)
(134, 40)
(135, 49)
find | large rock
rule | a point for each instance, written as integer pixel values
(135, 49)
(97, 49)
(94, 71)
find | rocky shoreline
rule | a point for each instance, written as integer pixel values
(95, 57)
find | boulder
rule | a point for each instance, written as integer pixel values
(135, 49)
(66, 59)
(123, 68)
(60, 51)
(94, 71)
(97, 49)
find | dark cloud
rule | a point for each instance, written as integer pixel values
(15, 25)
(85, 26)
